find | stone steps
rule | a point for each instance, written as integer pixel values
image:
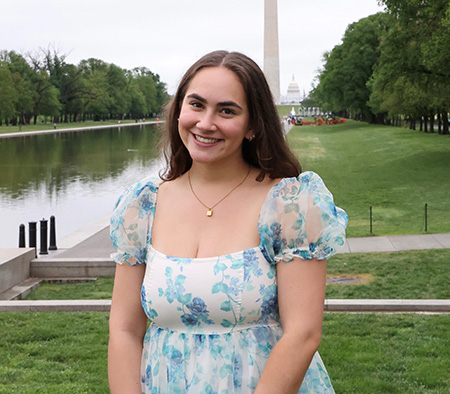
(72, 267)
(14, 266)
(21, 272)
(23, 289)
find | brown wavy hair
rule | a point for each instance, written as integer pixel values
(267, 151)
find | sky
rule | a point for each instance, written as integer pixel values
(167, 36)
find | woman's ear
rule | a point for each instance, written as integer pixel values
(250, 135)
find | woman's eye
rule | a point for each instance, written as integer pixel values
(196, 104)
(228, 111)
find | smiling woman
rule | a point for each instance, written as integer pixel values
(229, 294)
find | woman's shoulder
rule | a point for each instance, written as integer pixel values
(299, 214)
(296, 196)
(144, 188)
(287, 188)
(138, 200)
(130, 221)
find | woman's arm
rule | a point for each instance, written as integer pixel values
(301, 294)
(127, 326)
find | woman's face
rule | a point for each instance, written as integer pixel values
(214, 118)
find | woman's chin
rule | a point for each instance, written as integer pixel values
(203, 158)
(203, 155)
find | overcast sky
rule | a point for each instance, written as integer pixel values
(167, 36)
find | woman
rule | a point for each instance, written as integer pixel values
(227, 254)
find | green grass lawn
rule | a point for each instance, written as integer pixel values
(285, 109)
(60, 353)
(387, 353)
(49, 126)
(422, 274)
(396, 170)
(56, 353)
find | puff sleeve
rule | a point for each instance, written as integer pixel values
(299, 219)
(131, 220)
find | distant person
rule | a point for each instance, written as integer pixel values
(226, 253)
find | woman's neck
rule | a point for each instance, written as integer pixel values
(218, 173)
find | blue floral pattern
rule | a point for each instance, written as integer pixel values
(215, 320)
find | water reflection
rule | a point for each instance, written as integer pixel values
(76, 176)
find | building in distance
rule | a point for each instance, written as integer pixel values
(293, 93)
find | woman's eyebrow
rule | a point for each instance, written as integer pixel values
(229, 104)
(197, 97)
(221, 104)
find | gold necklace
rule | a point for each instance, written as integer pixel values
(209, 211)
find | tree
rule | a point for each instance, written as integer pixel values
(44, 84)
(22, 75)
(396, 85)
(412, 76)
(35, 93)
(162, 97)
(46, 101)
(67, 79)
(348, 67)
(120, 101)
(138, 105)
(8, 94)
(94, 78)
(147, 85)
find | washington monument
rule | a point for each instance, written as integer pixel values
(271, 57)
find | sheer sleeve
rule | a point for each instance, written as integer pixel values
(131, 221)
(299, 219)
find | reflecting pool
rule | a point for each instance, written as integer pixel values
(75, 176)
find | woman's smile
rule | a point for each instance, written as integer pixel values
(205, 140)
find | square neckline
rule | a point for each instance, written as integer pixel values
(199, 259)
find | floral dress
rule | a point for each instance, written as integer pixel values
(215, 320)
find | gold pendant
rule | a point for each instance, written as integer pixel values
(209, 212)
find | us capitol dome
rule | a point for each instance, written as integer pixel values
(293, 93)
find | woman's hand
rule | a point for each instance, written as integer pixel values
(301, 294)
(127, 326)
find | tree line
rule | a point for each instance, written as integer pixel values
(392, 67)
(44, 84)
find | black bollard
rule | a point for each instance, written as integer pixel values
(22, 236)
(52, 245)
(32, 231)
(43, 227)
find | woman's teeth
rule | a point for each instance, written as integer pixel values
(205, 140)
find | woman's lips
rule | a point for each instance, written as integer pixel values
(205, 140)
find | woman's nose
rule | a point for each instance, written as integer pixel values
(207, 121)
